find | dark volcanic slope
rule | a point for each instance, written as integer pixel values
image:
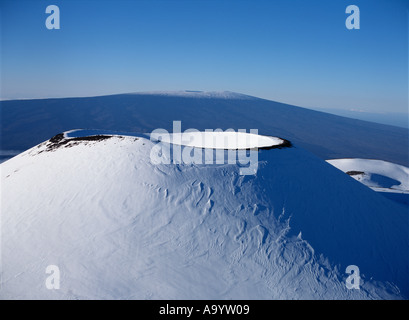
(26, 123)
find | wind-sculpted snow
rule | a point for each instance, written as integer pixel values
(119, 227)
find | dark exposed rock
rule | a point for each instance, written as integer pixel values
(354, 173)
(59, 140)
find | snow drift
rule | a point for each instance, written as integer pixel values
(119, 227)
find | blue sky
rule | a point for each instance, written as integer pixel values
(293, 51)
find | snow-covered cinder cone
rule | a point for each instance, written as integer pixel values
(112, 224)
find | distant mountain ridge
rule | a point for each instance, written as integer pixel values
(199, 94)
(26, 123)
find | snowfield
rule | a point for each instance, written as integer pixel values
(377, 174)
(119, 227)
(220, 140)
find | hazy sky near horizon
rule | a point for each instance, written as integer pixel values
(293, 51)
